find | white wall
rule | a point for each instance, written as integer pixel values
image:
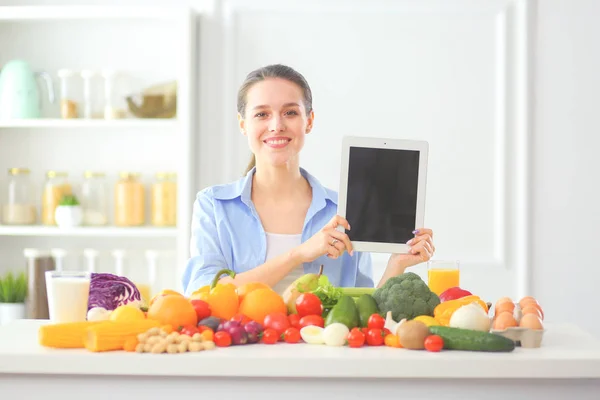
(563, 177)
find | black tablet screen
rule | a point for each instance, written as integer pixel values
(381, 202)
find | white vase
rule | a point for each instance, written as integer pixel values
(68, 216)
(10, 312)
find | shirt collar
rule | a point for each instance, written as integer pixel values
(243, 188)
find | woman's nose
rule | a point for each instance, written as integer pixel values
(276, 124)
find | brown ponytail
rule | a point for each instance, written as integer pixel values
(272, 71)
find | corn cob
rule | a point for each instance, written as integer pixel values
(67, 335)
(112, 335)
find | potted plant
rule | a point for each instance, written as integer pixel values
(68, 213)
(13, 292)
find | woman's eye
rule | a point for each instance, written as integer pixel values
(261, 115)
(291, 112)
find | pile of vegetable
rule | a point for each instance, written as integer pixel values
(107, 292)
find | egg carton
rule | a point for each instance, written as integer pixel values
(524, 337)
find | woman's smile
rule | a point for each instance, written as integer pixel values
(277, 142)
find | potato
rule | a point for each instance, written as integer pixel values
(412, 335)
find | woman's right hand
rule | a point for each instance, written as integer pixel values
(328, 241)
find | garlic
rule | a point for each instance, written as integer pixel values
(98, 314)
(392, 325)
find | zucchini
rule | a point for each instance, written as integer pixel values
(470, 340)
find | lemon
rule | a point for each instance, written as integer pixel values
(127, 313)
(427, 320)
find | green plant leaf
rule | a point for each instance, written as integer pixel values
(69, 200)
(13, 289)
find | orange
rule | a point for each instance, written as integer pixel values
(243, 290)
(174, 310)
(261, 302)
(163, 292)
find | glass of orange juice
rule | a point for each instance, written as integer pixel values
(442, 275)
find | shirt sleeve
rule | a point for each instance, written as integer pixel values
(205, 250)
(364, 270)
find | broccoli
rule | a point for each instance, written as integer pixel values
(406, 296)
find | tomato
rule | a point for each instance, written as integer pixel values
(386, 331)
(434, 343)
(392, 340)
(189, 330)
(222, 339)
(277, 321)
(270, 336)
(315, 320)
(308, 304)
(241, 318)
(364, 331)
(291, 335)
(375, 337)
(294, 320)
(356, 338)
(375, 321)
(202, 309)
(202, 328)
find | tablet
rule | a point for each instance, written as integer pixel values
(382, 192)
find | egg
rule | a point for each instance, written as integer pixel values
(504, 320)
(503, 300)
(504, 307)
(526, 300)
(531, 321)
(531, 309)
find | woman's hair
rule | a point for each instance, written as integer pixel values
(272, 71)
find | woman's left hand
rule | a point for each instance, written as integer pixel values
(421, 249)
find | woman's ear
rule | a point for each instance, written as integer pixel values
(242, 124)
(309, 123)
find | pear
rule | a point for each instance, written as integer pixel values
(305, 283)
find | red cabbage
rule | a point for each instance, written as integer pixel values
(111, 291)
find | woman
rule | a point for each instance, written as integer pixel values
(278, 222)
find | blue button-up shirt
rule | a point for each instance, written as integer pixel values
(227, 233)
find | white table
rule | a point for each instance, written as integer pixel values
(567, 366)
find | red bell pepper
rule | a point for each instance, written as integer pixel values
(453, 294)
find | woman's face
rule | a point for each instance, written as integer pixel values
(275, 121)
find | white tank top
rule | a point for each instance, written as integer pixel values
(278, 244)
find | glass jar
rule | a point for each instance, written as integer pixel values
(164, 199)
(92, 94)
(129, 200)
(19, 208)
(94, 199)
(114, 101)
(57, 186)
(68, 102)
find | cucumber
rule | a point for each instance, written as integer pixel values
(466, 339)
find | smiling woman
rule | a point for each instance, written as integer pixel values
(278, 222)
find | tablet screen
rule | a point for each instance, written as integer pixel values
(382, 194)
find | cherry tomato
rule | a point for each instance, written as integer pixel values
(308, 304)
(270, 336)
(434, 343)
(294, 320)
(375, 337)
(364, 331)
(315, 320)
(375, 321)
(392, 340)
(202, 309)
(222, 339)
(202, 328)
(386, 331)
(241, 318)
(277, 321)
(356, 338)
(189, 330)
(291, 335)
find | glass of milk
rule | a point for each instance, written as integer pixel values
(68, 293)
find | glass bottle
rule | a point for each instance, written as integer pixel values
(164, 199)
(57, 186)
(91, 94)
(94, 199)
(129, 200)
(19, 208)
(114, 102)
(68, 103)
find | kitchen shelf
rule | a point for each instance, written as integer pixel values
(112, 232)
(90, 123)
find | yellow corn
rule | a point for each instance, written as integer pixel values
(68, 335)
(112, 335)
